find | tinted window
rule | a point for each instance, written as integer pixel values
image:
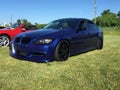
(83, 25)
(16, 25)
(61, 24)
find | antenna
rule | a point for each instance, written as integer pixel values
(95, 10)
(11, 20)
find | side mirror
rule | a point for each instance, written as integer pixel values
(82, 27)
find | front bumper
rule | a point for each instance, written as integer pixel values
(36, 53)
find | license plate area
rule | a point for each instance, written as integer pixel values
(22, 53)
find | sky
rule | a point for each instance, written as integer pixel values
(44, 11)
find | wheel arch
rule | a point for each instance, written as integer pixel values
(100, 35)
(101, 38)
(6, 35)
(57, 44)
(67, 40)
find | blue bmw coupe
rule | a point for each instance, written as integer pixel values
(57, 40)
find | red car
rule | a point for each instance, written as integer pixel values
(7, 34)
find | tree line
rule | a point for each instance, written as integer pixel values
(108, 19)
(39, 26)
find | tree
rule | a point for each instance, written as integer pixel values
(105, 12)
(26, 22)
(118, 14)
(29, 23)
(40, 25)
(19, 21)
(108, 19)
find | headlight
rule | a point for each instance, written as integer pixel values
(43, 41)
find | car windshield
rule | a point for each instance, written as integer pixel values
(13, 26)
(61, 24)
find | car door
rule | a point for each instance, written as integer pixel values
(93, 33)
(81, 39)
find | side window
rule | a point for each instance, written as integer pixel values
(83, 25)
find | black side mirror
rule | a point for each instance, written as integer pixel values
(82, 27)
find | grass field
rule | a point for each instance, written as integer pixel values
(94, 70)
(111, 30)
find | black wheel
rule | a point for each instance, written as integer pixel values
(62, 51)
(99, 44)
(4, 40)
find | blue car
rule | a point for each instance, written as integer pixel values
(58, 40)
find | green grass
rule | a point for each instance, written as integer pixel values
(94, 70)
(111, 30)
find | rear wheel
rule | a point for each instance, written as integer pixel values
(99, 44)
(62, 51)
(4, 40)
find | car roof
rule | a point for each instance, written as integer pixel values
(73, 19)
(76, 19)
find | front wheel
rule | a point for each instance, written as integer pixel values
(62, 51)
(4, 40)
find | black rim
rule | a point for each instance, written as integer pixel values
(63, 51)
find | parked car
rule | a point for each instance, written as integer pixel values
(57, 41)
(1, 27)
(8, 33)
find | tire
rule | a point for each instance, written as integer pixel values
(62, 51)
(4, 40)
(99, 44)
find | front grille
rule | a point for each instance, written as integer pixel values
(38, 54)
(25, 40)
(22, 53)
(22, 40)
(17, 39)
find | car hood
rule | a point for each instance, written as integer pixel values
(47, 33)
